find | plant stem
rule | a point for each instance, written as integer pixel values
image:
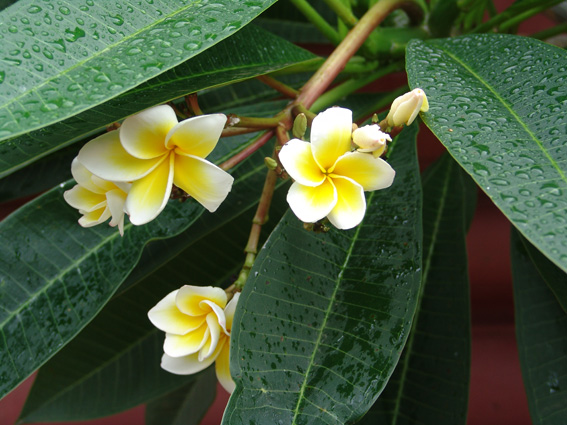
(320, 23)
(236, 131)
(279, 86)
(253, 122)
(260, 141)
(332, 96)
(344, 51)
(518, 19)
(343, 12)
(260, 218)
(193, 104)
(300, 109)
(550, 32)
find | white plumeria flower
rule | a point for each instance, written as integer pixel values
(329, 179)
(370, 139)
(406, 107)
(96, 199)
(197, 321)
(154, 151)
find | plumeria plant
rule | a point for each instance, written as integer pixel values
(199, 188)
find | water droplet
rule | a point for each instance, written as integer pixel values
(117, 19)
(64, 10)
(13, 62)
(80, 21)
(46, 107)
(13, 29)
(133, 51)
(191, 45)
(60, 45)
(34, 9)
(25, 21)
(102, 78)
(38, 67)
(26, 54)
(2, 76)
(74, 35)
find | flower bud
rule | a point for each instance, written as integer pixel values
(299, 126)
(370, 139)
(270, 163)
(406, 107)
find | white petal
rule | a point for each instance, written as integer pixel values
(83, 176)
(222, 368)
(215, 332)
(310, 204)
(143, 134)
(186, 365)
(197, 136)
(351, 204)
(204, 181)
(229, 311)
(217, 311)
(184, 345)
(92, 218)
(331, 135)
(297, 159)
(189, 299)
(366, 170)
(106, 158)
(83, 199)
(166, 316)
(149, 195)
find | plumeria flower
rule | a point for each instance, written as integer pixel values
(153, 151)
(96, 199)
(329, 179)
(406, 107)
(370, 139)
(197, 321)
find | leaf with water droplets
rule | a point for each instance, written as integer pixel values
(90, 52)
(541, 331)
(323, 317)
(248, 53)
(497, 102)
(437, 354)
(55, 275)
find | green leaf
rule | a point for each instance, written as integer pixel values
(55, 275)
(541, 331)
(185, 406)
(497, 102)
(64, 59)
(100, 381)
(323, 318)
(442, 16)
(430, 383)
(555, 278)
(248, 53)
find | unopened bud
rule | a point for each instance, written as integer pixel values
(375, 119)
(406, 107)
(271, 163)
(370, 139)
(299, 126)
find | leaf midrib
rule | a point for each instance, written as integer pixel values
(427, 265)
(304, 385)
(507, 107)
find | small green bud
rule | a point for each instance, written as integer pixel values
(299, 126)
(375, 119)
(271, 163)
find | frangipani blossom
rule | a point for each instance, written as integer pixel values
(96, 199)
(197, 321)
(370, 138)
(406, 107)
(153, 151)
(330, 180)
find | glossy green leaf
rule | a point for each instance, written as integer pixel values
(497, 102)
(555, 278)
(248, 53)
(430, 383)
(323, 317)
(55, 275)
(185, 406)
(66, 58)
(100, 381)
(541, 332)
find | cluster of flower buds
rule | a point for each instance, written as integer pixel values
(132, 170)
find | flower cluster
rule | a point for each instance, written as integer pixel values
(197, 321)
(330, 179)
(149, 153)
